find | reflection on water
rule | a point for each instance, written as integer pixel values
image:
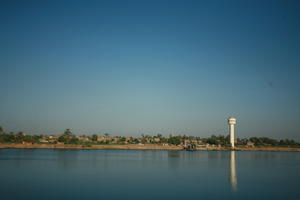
(67, 159)
(233, 177)
(174, 160)
(176, 175)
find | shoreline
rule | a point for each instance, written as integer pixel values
(142, 147)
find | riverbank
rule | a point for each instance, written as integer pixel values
(141, 147)
(280, 149)
(72, 146)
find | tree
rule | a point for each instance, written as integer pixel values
(94, 137)
(66, 137)
(175, 140)
(62, 139)
(1, 130)
(122, 139)
(68, 132)
(106, 134)
(73, 140)
(19, 137)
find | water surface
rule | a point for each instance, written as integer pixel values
(121, 174)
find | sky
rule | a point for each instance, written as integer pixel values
(145, 67)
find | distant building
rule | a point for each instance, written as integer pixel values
(101, 139)
(43, 140)
(250, 144)
(27, 143)
(83, 138)
(60, 143)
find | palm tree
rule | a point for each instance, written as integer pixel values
(68, 132)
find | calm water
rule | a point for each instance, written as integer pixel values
(121, 174)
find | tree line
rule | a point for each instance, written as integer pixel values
(69, 138)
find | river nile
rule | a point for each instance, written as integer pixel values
(132, 174)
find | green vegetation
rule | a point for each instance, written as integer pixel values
(69, 138)
(94, 137)
(262, 141)
(217, 140)
(18, 138)
(176, 140)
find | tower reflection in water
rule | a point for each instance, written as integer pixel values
(233, 177)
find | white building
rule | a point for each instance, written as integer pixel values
(231, 122)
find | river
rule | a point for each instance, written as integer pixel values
(134, 174)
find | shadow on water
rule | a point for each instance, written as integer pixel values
(233, 174)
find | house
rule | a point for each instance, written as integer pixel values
(201, 146)
(60, 143)
(100, 139)
(27, 143)
(43, 140)
(250, 144)
(83, 138)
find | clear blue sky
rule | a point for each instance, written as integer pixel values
(132, 67)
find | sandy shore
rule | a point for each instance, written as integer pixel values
(140, 147)
(287, 149)
(69, 146)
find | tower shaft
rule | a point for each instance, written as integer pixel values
(231, 122)
(231, 132)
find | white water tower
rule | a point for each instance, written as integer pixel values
(231, 122)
